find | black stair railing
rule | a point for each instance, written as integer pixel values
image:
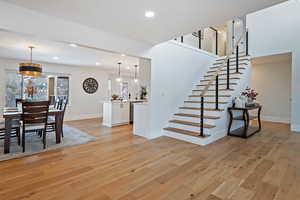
(247, 43)
(237, 58)
(228, 74)
(202, 116)
(237, 50)
(217, 92)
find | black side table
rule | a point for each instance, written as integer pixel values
(247, 130)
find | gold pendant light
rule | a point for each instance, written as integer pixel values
(30, 68)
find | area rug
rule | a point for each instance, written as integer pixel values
(34, 144)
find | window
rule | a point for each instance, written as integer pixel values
(46, 87)
(124, 90)
(13, 88)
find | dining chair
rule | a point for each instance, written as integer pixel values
(15, 130)
(52, 120)
(34, 118)
(18, 101)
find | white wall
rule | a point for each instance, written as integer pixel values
(271, 77)
(276, 30)
(82, 105)
(175, 69)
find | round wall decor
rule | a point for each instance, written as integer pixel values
(90, 85)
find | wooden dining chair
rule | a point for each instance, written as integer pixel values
(34, 118)
(18, 101)
(15, 130)
(52, 121)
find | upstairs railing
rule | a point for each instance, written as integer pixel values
(215, 78)
(201, 40)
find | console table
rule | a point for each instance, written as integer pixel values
(247, 130)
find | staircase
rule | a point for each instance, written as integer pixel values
(203, 117)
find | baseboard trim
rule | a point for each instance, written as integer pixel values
(295, 128)
(196, 140)
(82, 116)
(275, 119)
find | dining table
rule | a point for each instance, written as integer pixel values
(9, 115)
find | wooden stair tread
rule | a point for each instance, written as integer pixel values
(198, 108)
(224, 74)
(205, 102)
(224, 70)
(191, 123)
(211, 95)
(196, 116)
(185, 132)
(221, 79)
(219, 84)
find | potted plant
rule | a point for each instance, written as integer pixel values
(114, 97)
(143, 92)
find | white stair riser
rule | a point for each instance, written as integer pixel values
(232, 62)
(189, 128)
(197, 112)
(194, 119)
(212, 71)
(220, 81)
(206, 105)
(224, 76)
(225, 99)
(222, 92)
(213, 87)
(232, 68)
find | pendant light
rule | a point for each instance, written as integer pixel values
(30, 68)
(119, 79)
(135, 74)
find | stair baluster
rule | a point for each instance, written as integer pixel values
(202, 117)
(217, 92)
(247, 43)
(237, 58)
(228, 73)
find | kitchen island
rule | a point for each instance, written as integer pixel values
(116, 113)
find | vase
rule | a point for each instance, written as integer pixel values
(250, 102)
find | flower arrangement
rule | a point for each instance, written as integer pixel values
(250, 94)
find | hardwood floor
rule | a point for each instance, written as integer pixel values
(125, 167)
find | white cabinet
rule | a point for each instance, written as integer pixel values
(141, 125)
(115, 113)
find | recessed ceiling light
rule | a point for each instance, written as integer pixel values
(149, 14)
(73, 45)
(97, 63)
(123, 55)
(55, 58)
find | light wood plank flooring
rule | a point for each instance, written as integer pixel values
(125, 167)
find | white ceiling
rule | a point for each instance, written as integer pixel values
(126, 17)
(15, 46)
